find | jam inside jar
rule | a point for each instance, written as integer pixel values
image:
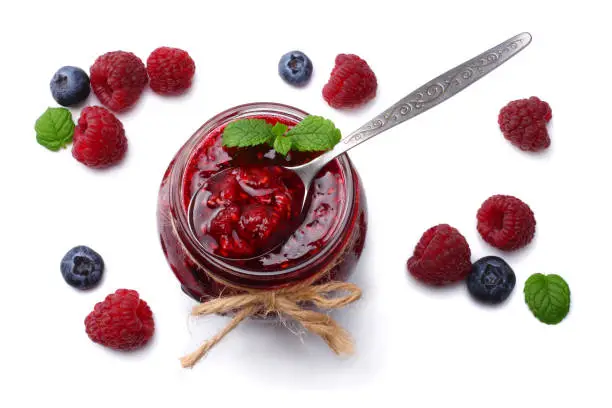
(247, 203)
(246, 211)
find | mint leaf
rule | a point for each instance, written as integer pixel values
(548, 297)
(54, 128)
(247, 132)
(314, 133)
(282, 144)
(279, 129)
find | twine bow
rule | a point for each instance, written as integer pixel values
(286, 301)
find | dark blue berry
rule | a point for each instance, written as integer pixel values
(295, 68)
(82, 267)
(491, 280)
(70, 86)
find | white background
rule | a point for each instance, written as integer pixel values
(420, 347)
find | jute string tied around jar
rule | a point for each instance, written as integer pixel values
(289, 301)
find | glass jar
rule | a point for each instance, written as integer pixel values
(325, 247)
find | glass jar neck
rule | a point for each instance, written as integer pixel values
(219, 269)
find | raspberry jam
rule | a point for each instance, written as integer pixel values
(247, 210)
(234, 202)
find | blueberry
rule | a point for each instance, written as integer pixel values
(82, 267)
(295, 68)
(70, 86)
(491, 280)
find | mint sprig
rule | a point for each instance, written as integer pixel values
(54, 128)
(548, 297)
(314, 133)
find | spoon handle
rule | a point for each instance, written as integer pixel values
(432, 93)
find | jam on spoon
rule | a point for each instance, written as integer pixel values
(246, 211)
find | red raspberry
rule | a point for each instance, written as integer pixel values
(523, 123)
(442, 256)
(284, 203)
(351, 83)
(259, 177)
(224, 221)
(506, 222)
(118, 78)
(224, 190)
(170, 70)
(234, 247)
(99, 138)
(257, 223)
(122, 321)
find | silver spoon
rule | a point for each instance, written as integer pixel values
(424, 98)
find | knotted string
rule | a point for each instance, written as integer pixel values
(290, 302)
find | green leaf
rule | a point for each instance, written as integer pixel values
(314, 133)
(282, 144)
(248, 132)
(54, 128)
(548, 297)
(279, 129)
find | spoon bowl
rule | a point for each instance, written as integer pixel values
(250, 206)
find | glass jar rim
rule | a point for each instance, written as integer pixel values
(180, 167)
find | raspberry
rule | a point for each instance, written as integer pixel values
(351, 83)
(258, 222)
(224, 221)
(442, 256)
(259, 177)
(122, 321)
(99, 138)
(170, 70)
(224, 190)
(118, 78)
(284, 203)
(506, 222)
(523, 123)
(234, 246)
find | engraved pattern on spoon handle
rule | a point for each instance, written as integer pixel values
(436, 91)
